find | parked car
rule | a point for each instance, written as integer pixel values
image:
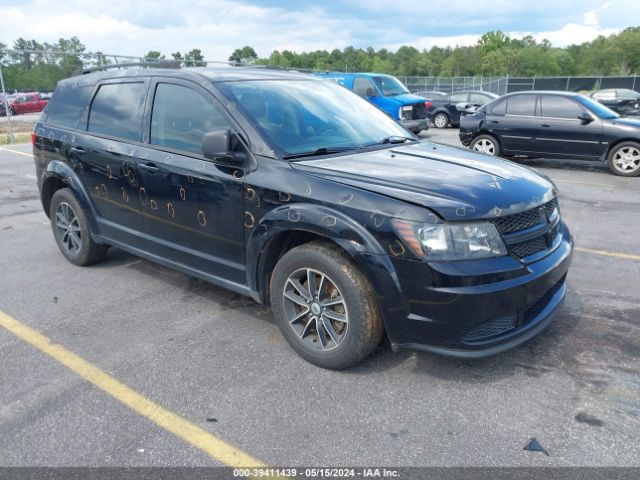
(443, 111)
(27, 103)
(620, 100)
(431, 94)
(389, 94)
(302, 195)
(554, 125)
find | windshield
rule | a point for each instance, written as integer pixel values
(596, 107)
(390, 86)
(304, 116)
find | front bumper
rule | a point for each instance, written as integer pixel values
(453, 310)
(415, 125)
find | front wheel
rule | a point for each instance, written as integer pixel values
(324, 306)
(441, 120)
(624, 159)
(486, 144)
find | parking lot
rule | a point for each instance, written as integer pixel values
(217, 367)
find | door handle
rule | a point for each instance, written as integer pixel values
(78, 150)
(545, 125)
(149, 167)
(495, 121)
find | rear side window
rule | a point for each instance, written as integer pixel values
(478, 98)
(181, 116)
(67, 106)
(559, 107)
(458, 97)
(116, 110)
(522, 105)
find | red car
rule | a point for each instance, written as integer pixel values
(28, 103)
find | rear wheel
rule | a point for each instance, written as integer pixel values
(324, 306)
(441, 120)
(624, 159)
(71, 230)
(486, 144)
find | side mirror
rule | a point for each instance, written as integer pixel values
(371, 92)
(467, 108)
(220, 146)
(584, 117)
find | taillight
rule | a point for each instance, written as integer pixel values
(33, 138)
(427, 104)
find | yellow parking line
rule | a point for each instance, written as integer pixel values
(584, 183)
(215, 447)
(628, 256)
(16, 151)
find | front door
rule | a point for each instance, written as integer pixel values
(562, 133)
(193, 207)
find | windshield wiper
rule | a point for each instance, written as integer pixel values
(318, 151)
(391, 140)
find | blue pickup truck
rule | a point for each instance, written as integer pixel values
(389, 94)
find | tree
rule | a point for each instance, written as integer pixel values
(154, 55)
(245, 55)
(194, 58)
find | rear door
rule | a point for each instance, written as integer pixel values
(107, 153)
(193, 207)
(512, 119)
(451, 105)
(562, 133)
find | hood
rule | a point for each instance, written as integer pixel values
(455, 183)
(407, 99)
(626, 122)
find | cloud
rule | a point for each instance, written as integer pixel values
(217, 27)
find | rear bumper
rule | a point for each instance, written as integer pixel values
(455, 311)
(415, 125)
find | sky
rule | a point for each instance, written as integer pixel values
(217, 27)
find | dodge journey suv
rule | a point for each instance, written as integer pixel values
(300, 194)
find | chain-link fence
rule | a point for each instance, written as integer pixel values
(28, 77)
(502, 85)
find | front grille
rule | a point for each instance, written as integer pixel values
(419, 111)
(492, 328)
(511, 225)
(524, 249)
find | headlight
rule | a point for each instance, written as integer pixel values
(451, 241)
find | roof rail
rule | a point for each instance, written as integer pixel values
(174, 64)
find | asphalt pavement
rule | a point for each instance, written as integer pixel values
(217, 360)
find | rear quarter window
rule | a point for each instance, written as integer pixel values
(67, 105)
(116, 110)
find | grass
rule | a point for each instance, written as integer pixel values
(19, 138)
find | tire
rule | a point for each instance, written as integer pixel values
(331, 270)
(71, 230)
(624, 159)
(441, 120)
(487, 144)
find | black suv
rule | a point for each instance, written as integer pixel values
(299, 193)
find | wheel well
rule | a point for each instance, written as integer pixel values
(488, 134)
(616, 143)
(51, 186)
(275, 248)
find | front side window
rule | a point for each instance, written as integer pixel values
(363, 87)
(390, 86)
(301, 116)
(524, 105)
(556, 106)
(181, 116)
(499, 107)
(116, 110)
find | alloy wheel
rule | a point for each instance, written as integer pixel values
(316, 310)
(485, 146)
(68, 228)
(440, 121)
(627, 159)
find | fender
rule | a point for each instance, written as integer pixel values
(350, 235)
(62, 171)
